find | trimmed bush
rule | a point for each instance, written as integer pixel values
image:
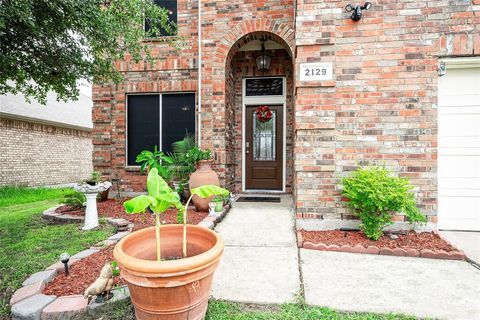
(374, 195)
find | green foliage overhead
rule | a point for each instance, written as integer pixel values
(50, 45)
(374, 194)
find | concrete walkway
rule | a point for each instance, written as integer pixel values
(261, 265)
(260, 262)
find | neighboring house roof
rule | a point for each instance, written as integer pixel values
(72, 114)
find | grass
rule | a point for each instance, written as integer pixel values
(223, 310)
(18, 195)
(28, 243)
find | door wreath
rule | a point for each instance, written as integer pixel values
(264, 114)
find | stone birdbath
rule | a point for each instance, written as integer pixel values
(91, 192)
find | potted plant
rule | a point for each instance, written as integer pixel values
(220, 202)
(203, 175)
(94, 178)
(169, 269)
(155, 159)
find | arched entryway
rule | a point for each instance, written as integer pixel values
(259, 151)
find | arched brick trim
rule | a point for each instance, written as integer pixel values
(218, 120)
(280, 32)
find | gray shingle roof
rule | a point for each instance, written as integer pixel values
(72, 114)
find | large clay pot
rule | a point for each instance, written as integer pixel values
(169, 289)
(202, 176)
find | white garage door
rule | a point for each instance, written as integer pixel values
(459, 149)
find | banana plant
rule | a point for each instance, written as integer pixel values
(161, 197)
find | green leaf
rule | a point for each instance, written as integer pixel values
(210, 190)
(139, 204)
(156, 185)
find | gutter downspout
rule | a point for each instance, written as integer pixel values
(199, 135)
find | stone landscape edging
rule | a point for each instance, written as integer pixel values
(28, 302)
(410, 252)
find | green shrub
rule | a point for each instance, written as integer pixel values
(374, 194)
(74, 199)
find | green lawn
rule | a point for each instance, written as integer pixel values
(222, 310)
(28, 243)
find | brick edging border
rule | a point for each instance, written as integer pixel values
(30, 302)
(400, 252)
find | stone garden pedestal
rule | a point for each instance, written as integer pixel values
(91, 192)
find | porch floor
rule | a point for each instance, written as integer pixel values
(261, 265)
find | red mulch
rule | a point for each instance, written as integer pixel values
(113, 208)
(82, 274)
(86, 271)
(413, 240)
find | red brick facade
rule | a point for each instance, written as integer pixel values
(378, 109)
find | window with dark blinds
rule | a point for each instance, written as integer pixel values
(158, 120)
(143, 131)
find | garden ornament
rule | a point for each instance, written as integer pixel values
(102, 286)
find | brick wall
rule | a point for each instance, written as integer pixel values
(381, 107)
(34, 154)
(378, 110)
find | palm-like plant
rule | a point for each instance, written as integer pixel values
(161, 197)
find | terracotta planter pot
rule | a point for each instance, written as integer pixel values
(202, 176)
(172, 289)
(103, 196)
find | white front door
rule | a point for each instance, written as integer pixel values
(459, 149)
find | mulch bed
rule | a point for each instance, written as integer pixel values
(85, 272)
(411, 240)
(113, 208)
(82, 274)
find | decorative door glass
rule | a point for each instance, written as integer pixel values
(264, 138)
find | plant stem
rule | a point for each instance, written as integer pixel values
(185, 227)
(157, 236)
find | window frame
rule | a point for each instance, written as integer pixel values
(160, 127)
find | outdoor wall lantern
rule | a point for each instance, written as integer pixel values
(357, 10)
(263, 61)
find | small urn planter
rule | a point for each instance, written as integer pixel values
(173, 288)
(91, 192)
(204, 175)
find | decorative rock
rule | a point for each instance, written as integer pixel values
(358, 249)
(31, 308)
(333, 247)
(385, 251)
(42, 276)
(65, 307)
(119, 294)
(456, 255)
(393, 236)
(84, 254)
(66, 218)
(426, 253)
(60, 267)
(103, 244)
(119, 223)
(372, 250)
(315, 246)
(27, 291)
(118, 236)
(399, 252)
(412, 252)
(346, 248)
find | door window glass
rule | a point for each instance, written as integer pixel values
(264, 138)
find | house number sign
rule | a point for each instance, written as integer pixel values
(316, 71)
